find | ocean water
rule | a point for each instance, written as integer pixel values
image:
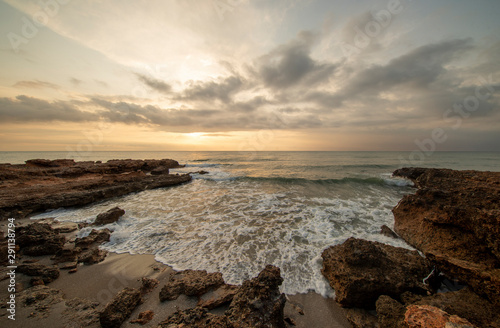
(253, 209)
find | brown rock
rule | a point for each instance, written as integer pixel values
(360, 271)
(386, 231)
(215, 298)
(120, 308)
(426, 316)
(95, 238)
(258, 302)
(47, 274)
(112, 215)
(390, 313)
(67, 254)
(196, 318)
(148, 284)
(64, 227)
(92, 256)
(361, 318)
(190, 283)
(42, 185)
(144, 317)
(160, 170)
(38, 239)
(454, 219)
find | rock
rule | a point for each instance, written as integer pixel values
(110, 216)
(190, 283)
(148, 284)
(360, 318)
(38, 239)
(258, 302)
(67, 254)
(196, 318)
(386, 231)
(360, 271)
(144, 317)
(73, 270)
(92, 256)
(120, 308)
(420, 316)
(47, 274)
(69, 266)
(42, 185)
(64, 227)
(454, 219)
(390, 313)
(95, 238)
(160, 170)
(215, 298)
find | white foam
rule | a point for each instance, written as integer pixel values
(237, 227)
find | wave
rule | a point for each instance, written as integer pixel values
(370, 181)
(201, 160)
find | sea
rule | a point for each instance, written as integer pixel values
(259, 208)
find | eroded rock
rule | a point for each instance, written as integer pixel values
(110, 216)
(360, 271)
(45, 273)
(95, 238)
(38, 239)
(190, 283)
(418, 316)
(120, 308)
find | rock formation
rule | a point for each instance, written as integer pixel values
(41, 185)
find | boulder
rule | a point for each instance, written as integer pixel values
(360, 271)
(454, 219)
(419, 316)
(144, 317)
(92, 256)
(120, 308)
(220, 296)
(160, 170)
(95, 238)
(112, 215)
(190, 283)
(46, 273)
(390, 312)
(38, 239)
(196, 318)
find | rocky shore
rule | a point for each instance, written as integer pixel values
(63, 280)
(41, 185)
(453, 219)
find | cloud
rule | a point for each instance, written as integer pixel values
(27, 109)
(221, 90)
(75, 81)
(36, 84)
(291, 64)
(155, 84)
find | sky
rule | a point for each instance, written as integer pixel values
(250, 75)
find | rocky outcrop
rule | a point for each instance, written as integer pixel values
(360, 271)
(144, 317)
(190, 283)
(418, 316)
(120, 308)
(41, 185)
(454, 219)
(221, 296)
(39, 271)
(38, 239)
(95, 238)
(110, 216)
(258, 303)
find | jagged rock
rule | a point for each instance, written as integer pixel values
(95, 238)
(38, 239)
(390, 313)
(69, 266)
(42, 185)
(215, 298)
(386, 231)
(112, 215)
(196, 318)
(148, 284)
(454, 219)
(258, 302)
(360, 271)
(144, 317)
(92, 256)
(160, 170)
(120, 308)
(67, 254)
(418, 316)
(47, 274)
(190, 283)
(361, 318)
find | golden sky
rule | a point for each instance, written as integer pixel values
(249, 75)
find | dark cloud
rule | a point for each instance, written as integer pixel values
(155, 84)
(27, 109)
(221, 90)
(291, 64)
(36, 84)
